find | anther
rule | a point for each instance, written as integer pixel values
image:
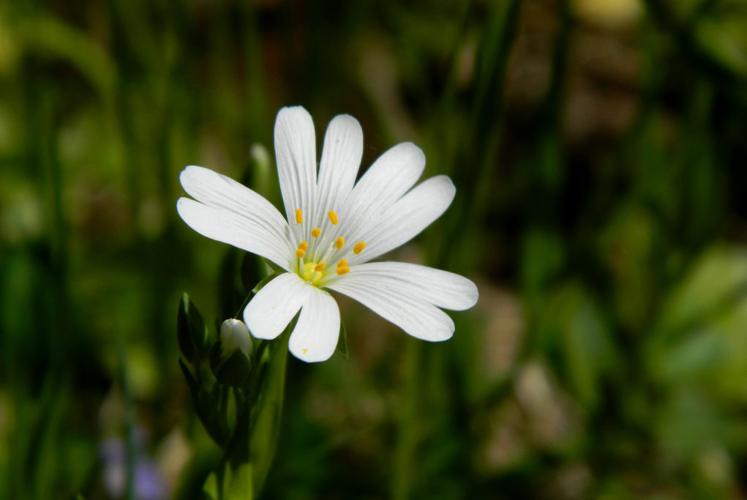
(299, 216)
(304, 244)
(320, 267)
(358, 248)
(339, 242)
(300, 252)
(333, 217)
(316, 232)
(342, 267)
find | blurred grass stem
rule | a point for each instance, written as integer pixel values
(404, 469)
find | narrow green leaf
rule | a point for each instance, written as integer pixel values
(234, 370)
(208, 406)
(191, 330)
(342, 345)
(182, 330)
(191, 382)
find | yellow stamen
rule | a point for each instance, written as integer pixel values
(300, 252)
(342, 270)
(320, 267)
(299, 216)
(333, 217)
(316, 232)
(304, 244)
(342, 263)
(358, 248)
(340, 242)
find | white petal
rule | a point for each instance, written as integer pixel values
(440, 288)
(315, 336)
(407, 218)
(295, 151)
(275, 305)
(416, 317)
(390, 176)
(341, 157)
(219, 191)
(244, 232)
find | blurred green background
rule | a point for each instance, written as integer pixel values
(598, 148)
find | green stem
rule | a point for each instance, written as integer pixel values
(249, 453)
(404, 453)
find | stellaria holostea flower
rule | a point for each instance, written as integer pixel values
(333, 227)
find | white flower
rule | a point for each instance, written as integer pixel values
(333, 227)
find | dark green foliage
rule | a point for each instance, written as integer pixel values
(191, 331)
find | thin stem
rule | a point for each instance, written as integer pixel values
(404, 453)
(129, 427)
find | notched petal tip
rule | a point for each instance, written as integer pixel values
(346, 121)
(194, 177)
(292, 112)
(446, 184)
(307, 356)
(182, 205)
(410, 148)
(185, 174)
(471, 294)
(192, 169)
(446, 335)
(438, 333)
(316, 334)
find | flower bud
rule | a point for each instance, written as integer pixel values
(229, 358)
(235, 335)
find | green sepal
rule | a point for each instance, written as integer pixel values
(258, 426)
(234, 370)
(191, 382)
(191, 330)
(207, 397)
(342, 345)
(208, 403)
(274, 268)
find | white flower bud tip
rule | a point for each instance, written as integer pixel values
(235, 335)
